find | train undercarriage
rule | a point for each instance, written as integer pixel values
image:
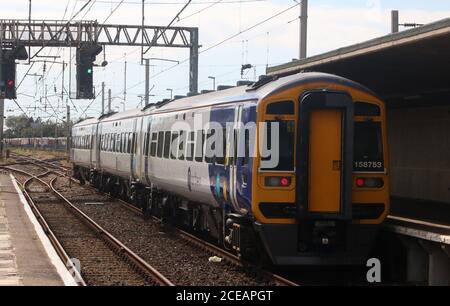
(233, 232)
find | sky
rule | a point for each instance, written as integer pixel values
(331, 25)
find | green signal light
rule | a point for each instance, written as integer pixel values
(89, 71)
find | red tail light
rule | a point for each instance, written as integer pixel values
(285, 181)
(278, 181)
(360, 182)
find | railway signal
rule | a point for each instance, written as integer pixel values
(86, 56)
(8, 71)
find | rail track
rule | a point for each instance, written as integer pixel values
(104, 259)
(192, 240)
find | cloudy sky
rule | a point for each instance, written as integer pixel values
(332, 24)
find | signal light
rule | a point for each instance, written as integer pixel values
(10, 83)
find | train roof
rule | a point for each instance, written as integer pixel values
(265, 87)
(257, 91)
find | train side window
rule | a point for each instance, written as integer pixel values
(246, 158)
(134, 144)
(182, 145)
(160, 144)
(153, 144)
(210, 147)
(147, 140)
(200, 146)
(174, 146)
(129, 143)
(190, 147)
(144, 148)
(281, 108)
(117, 146)
(124, 142)
(167, 139)
(220, 158)
(286, 135)
(113, 142)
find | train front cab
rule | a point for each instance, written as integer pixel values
(321, 205)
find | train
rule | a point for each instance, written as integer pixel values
(45, 143)
(285, 171)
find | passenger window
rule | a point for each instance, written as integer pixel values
(167, 139)
(246, 158)
(200, 146)
(145, 147)
(153, 144)
(210, 147)
(160, 144)
(174, 146)
(220, 158)
(181, 147)
(190, 147)
(134, 144)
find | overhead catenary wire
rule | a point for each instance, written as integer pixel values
(222, 42)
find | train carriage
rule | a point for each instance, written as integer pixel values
(292, 168)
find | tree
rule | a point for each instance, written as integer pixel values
(25, 127)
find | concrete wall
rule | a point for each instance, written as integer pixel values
(420, 153)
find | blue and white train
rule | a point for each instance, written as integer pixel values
(321, 202)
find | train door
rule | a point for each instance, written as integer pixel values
(146, 149)
(93, 146)
(133, 150)
(238, 158)
(98, 128)
(325, 158)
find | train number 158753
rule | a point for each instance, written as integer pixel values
(368, 165)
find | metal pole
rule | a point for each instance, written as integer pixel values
(125, 83)
(62, 85)
(303, 28)
(394, 21)
(56, 134)
(2, 117)
(70, 71)
(142, 34)
(147, 81)
(193, 70)
(29, 36)
(109, 101)
(68, 140)
(103, 98)
(2, 101)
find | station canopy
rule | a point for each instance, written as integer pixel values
(409, 68)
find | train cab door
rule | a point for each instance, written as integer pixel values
(325, 158)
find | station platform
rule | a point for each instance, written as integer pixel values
(27, 257)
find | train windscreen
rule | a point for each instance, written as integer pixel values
(368, 150)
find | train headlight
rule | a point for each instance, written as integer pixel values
(278, 181)
(371, 182)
